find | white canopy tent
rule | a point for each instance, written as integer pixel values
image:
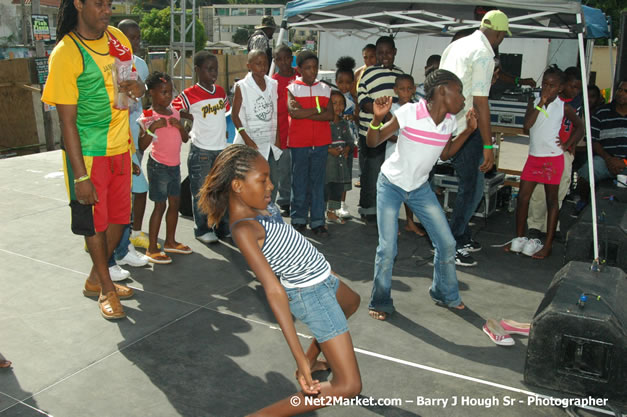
(531, 19)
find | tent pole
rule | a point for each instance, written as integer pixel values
(278, 43)
(586, 103)
(612, 69)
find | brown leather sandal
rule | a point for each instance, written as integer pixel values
(122, 291)
(110, 306)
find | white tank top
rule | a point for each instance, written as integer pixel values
(544, 134)
(258, 113)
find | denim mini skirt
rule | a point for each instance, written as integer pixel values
(317, 307)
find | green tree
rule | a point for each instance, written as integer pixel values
(155, 28)
(241, 36)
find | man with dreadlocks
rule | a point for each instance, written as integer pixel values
(84, 84)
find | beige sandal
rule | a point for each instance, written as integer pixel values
(110, 306)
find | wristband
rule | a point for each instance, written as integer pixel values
(239, 129)
(318, 105)
(517, 81)
(488, 146)
(540, 109)
(376, 127)
(150, 133)
(81, 179)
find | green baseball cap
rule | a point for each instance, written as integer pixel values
(496, 20)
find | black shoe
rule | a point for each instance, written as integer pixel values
(300, 228)
(320, 231)
(472, 246)
(463, 258)
(285, 210)
(369, 218)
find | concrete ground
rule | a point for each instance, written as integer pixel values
(200, 339)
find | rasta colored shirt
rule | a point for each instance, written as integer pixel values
(80, 73)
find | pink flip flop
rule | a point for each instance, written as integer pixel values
(497, 334)
(514, 327)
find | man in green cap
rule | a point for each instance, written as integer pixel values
(472, 60)
(261, 39)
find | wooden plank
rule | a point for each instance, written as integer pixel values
(16, 71)
(17, 131)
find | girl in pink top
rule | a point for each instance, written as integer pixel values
(161, 126)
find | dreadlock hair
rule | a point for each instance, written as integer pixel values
(234, 162)
(345, 65)
(157, 78)
(556, 71)
(201, 56)
(439, 77)
(304, 56)
(68, 18)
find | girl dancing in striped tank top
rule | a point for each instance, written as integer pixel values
(296, 277)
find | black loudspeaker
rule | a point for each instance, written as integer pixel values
(621, 64)
(612, 233)
(580, 346)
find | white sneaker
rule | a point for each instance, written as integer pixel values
(532, 246)
(133, 258)
(518, 243)
(209, 237)
(342, 213)
(118, 274)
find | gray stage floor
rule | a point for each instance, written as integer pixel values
(200, 339)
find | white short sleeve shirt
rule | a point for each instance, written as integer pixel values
(420, 144)
(472, 60)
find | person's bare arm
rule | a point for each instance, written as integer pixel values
(614, 164)
(84, 190)
(577, 125)
(247, 236)
(237, 122)
(375, 137)
(296, 111)
(453, 146)
(482, 109)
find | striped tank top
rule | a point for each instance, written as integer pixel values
(294, 260)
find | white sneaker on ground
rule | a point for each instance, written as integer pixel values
(133, 258)
(209, 237)
(518, 243)
(532, 246)
(342, 213)
(118, 274)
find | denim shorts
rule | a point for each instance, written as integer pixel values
(163, 181)
(317, 307)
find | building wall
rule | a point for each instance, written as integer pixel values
(222, 21)
(601, 65)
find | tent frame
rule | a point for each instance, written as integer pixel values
(299, 14)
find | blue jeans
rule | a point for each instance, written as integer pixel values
(199, 163)
(424, 204)
(283, 183)
(600, 170)
(373, 158)
(470, 189)
(308, 179)
(122, 249)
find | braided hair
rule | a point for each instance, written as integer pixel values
(68, 18)
(234, 162)
(345, 65)
(436, 78)
(157, 78)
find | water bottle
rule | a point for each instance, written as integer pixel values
(512, 202)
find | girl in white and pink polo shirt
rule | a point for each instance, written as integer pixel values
(426, 128)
